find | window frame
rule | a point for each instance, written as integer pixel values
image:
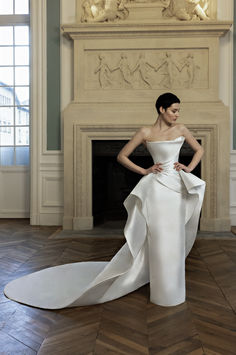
(18, 20)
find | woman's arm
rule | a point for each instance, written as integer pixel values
(199, 151)
(123, 156)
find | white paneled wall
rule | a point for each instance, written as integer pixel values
(51, 189)
(46, 166)
(14, 194)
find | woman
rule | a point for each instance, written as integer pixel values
(164, 129)
(166, 203)
(163, 212)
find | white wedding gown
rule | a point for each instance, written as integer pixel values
(163, 213)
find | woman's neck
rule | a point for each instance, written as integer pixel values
(161, 125)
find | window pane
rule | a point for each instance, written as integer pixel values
(6, 35)
(6, 7)
(21, 55)
(22, 115)
(6, 96)
(21, 35)
(6, 76)
(14, 86)
(6, 156)
(21, 6)
(22, 135)
(6, 135)
(21, 76)
(22, 95)
(22, 155)
(6, 55)
(6, 115)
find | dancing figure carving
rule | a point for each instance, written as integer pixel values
(103, 71)
(142, 66)
(170, 69)
(124, 68)
(191, 67)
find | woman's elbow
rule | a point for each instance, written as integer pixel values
(119, 158)
(201, 151)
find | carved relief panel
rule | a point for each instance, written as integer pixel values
(113, 70)
(147, 69)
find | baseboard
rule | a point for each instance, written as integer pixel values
(50, 219)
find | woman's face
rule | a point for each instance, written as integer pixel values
(171, 114)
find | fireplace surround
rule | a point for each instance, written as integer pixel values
(112, 183)
(107, 108)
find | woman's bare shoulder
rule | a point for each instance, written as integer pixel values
(181, 128)
(145, 132)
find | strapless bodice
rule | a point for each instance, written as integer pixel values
(166, 152)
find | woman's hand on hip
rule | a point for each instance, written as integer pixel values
(178, 166)
(156, 168)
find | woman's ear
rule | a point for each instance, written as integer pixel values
(162, 110)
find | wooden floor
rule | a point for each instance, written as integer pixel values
(204, 324)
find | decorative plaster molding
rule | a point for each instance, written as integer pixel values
(113, 71)
(41, 160)
(148, 69)
(49, 198)
(163, 29)
(94, 11)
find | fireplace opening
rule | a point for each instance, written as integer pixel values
(112, 183)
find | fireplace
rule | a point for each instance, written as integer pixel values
(111, 182)
(107, 108)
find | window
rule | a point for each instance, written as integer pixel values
(14, 82)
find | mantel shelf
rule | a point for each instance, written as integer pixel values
(164, 28)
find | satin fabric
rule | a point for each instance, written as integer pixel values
(163, 213)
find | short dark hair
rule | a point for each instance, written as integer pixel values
(166, 100)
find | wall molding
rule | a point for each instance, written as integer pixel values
(13, 214)
(44, 164)
(50, 198)
(13, 169)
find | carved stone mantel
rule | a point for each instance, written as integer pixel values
(164, 28)
(119, 70)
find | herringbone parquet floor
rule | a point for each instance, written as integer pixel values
(204, 324)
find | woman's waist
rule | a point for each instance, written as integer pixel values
(168, 167)
(170, 178)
